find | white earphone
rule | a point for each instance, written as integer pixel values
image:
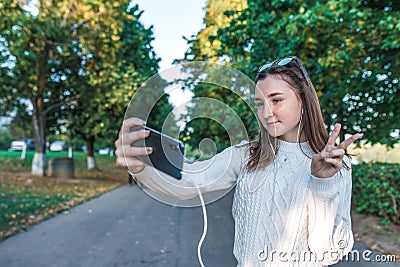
(298, 129)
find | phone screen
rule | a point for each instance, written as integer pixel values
(168, 152)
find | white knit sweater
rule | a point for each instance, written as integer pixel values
(283, 215)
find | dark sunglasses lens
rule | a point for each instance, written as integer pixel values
(264, 67)
(284, 61)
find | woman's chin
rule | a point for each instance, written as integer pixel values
(282, 137)
(274, 134)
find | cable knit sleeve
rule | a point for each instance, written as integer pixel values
(329, 228)
(218, 173)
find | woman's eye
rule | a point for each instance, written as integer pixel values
(276, 100)
(259, 104)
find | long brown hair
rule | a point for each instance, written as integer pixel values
(261, 151)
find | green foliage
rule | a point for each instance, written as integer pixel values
(17, 206)
(77, 63)
(21, 124)
(376, 190)
(114, 70)
(205, 45)
(220, 121)
(5, 138)
(348, 47)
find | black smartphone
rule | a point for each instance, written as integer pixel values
(168, 152)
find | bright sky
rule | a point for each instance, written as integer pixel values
(172, 19)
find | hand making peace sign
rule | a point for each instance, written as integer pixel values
(328, 162)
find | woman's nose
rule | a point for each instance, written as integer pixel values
(267, 111)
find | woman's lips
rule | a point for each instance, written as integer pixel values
(272, 123)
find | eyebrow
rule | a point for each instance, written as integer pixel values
(269, 96)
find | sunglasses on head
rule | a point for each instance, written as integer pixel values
(283, 62)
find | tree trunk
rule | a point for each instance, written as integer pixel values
(39, 116)
(328, 123)
(91, 161)
(342, 133)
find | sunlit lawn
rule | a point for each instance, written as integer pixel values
(376, 153)
(27, 199)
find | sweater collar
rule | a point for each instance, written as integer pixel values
(295, 148)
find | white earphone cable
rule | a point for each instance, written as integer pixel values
(298, 129)
(203, 206)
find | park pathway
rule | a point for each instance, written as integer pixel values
(125, 227)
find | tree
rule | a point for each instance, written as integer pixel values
(204, 46)
(30, 43)
(98, 76)
(77, 62)
(5, 138)
(111, 79)
(348, 47)
(206, 118)
(219, 108)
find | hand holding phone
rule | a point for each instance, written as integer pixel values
(168, 152)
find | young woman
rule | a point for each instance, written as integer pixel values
(293, 185)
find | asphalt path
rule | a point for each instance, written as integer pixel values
(125, 227)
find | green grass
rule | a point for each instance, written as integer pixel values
(19, 207)
(12, 160)
(26, 199)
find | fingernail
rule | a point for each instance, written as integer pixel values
(149, 149)
(146, 132)
(143, 122)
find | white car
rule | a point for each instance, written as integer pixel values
(58, 146)
(106, 151)
(20, 144)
